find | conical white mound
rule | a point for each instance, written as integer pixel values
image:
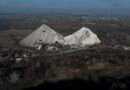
(83, 37)
(43, 34)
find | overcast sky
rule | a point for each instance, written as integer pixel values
(64, 4)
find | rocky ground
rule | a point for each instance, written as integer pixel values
(92, 65)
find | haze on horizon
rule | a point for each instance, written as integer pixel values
(35, 5)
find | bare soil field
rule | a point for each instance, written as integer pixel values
(8, 37)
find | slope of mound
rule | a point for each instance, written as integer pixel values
(43, 34)
(83, 37)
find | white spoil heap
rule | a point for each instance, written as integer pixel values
(43, 35)
(82, 38)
